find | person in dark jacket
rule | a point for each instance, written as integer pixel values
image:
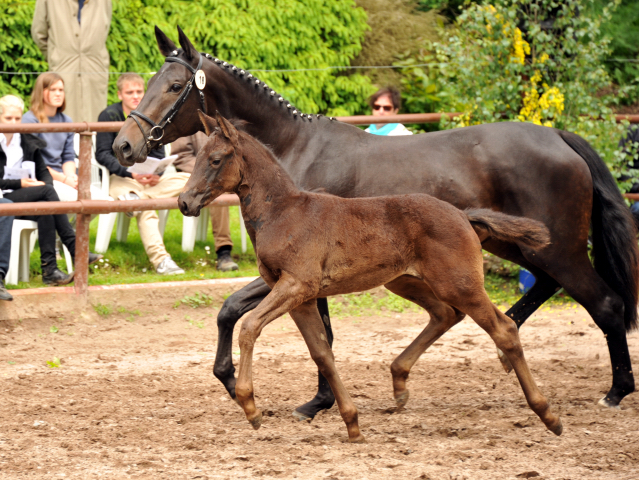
(24, 177)
(124, 185)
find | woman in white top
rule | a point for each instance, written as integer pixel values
(24, 177)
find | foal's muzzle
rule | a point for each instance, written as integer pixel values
(189, 208)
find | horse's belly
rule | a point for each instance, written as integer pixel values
(339, 282)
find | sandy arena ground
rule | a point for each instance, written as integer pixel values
(135, 397)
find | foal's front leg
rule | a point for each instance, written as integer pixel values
(286, 295)
(310, 324)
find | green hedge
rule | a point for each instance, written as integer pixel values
(270, 34)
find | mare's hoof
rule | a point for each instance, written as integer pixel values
(605, 402)
(401, 399)
(300, 417)
(557, 429)
(504, 361)
(256, 422)
(358, 439)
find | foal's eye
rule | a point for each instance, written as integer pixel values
(216, 161)
(176, 87)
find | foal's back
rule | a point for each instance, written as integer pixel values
(360, 243)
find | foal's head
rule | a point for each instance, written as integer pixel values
(217, 166)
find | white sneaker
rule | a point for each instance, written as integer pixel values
(168, 267)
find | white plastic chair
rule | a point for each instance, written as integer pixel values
(195, 228)
(22, 243)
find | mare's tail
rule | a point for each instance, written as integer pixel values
(614, 241)
(507, 227)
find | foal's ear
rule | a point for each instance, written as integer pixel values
(165, 44)
(189, 50)
(209, 123)
(227, 128)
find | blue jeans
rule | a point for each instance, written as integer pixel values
(634, 209)
(6, 225)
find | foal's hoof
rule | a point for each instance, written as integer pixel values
(300, 417)
(256, 422)
(401, 399)
(557, 428)
(504, 361)
(605, 402)
(358, 439)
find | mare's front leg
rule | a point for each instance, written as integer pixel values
(313, 330)
(287, 294)
(234, 307)
(324, 399)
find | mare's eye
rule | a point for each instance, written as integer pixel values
(176, 87)
(216, 161)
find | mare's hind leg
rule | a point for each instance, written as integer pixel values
(607, 310)
(504, 333)
(313, 330)
(442, 318)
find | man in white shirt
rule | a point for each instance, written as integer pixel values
(384, 102)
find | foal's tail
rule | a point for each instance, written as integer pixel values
(507, 227)
(614, 240)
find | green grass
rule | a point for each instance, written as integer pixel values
(127, 262)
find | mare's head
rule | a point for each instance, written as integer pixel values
(166, 90)
(217, 166)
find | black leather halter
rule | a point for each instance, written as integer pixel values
(157, 131)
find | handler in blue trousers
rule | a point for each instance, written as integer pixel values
(6, 226)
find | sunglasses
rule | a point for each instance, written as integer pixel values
(387, 108)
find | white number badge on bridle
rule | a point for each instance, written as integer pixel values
(200, 79)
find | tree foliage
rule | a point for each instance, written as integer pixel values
(536, 61)
(397, 30)
(265, 35)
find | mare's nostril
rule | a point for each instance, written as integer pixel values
(125, 148)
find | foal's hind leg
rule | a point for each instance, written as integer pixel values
(442, 318)
(504, 333)
(310, 324)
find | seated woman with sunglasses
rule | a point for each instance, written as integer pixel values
(386, 102)
(24, 177)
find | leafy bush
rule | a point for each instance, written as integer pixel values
(535, 61)
(267, 35)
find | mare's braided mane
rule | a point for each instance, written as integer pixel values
(249, 77)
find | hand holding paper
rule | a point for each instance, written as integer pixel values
(152, 166)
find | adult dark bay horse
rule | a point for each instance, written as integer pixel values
(520, 169)
(424, 249)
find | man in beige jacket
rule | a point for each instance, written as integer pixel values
(72, 35)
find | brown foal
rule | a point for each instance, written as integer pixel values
(311, 245)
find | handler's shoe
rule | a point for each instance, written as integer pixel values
(225, 263)
(130, 196)
(168, 267)
(4, 293)
(94, 257)
(55, 276)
